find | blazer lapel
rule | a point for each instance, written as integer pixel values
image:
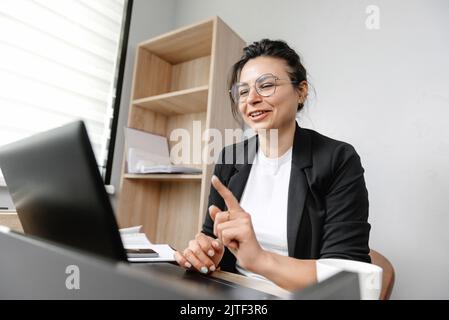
(243, 163)
(298, 186)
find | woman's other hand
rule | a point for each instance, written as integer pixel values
(203, 253)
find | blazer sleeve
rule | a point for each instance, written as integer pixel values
(346, 228)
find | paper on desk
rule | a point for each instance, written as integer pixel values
(140, 241)
(135, 241)
(165, 254)
(130, 230)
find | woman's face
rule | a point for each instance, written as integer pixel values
(279, 109)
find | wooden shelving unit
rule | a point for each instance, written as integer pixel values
(179, 82)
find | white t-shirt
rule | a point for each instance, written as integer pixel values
(265, 198)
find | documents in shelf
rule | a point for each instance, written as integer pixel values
(148, 153)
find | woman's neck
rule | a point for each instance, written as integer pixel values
(275, 142)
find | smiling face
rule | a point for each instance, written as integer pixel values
(277, 111)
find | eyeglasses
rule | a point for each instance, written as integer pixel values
(265, 86)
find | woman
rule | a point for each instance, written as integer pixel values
(298, 196)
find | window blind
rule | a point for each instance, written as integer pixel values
(58, 63)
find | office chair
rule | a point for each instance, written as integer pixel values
(388, 274)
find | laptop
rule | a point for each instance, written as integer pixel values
(59, 195)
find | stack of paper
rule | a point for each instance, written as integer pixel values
(148, 153)
(132, 238)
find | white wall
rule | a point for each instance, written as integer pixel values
(385, 91)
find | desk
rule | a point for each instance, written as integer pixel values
(10, 219)
(252, 283)
(37, 269)
(220, 285)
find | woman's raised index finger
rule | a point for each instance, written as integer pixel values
(228, 197)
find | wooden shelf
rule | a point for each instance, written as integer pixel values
(184, 44)
(179, 81)
(165, 177)
(179, 102)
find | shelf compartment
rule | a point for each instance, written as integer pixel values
(180, 102)
(184, 44)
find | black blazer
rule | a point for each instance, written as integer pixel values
(327, 213)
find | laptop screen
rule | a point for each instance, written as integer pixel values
(58, 191)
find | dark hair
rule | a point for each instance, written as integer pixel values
(269, 48)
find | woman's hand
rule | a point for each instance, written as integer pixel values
(203, 253)
(235, 229)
